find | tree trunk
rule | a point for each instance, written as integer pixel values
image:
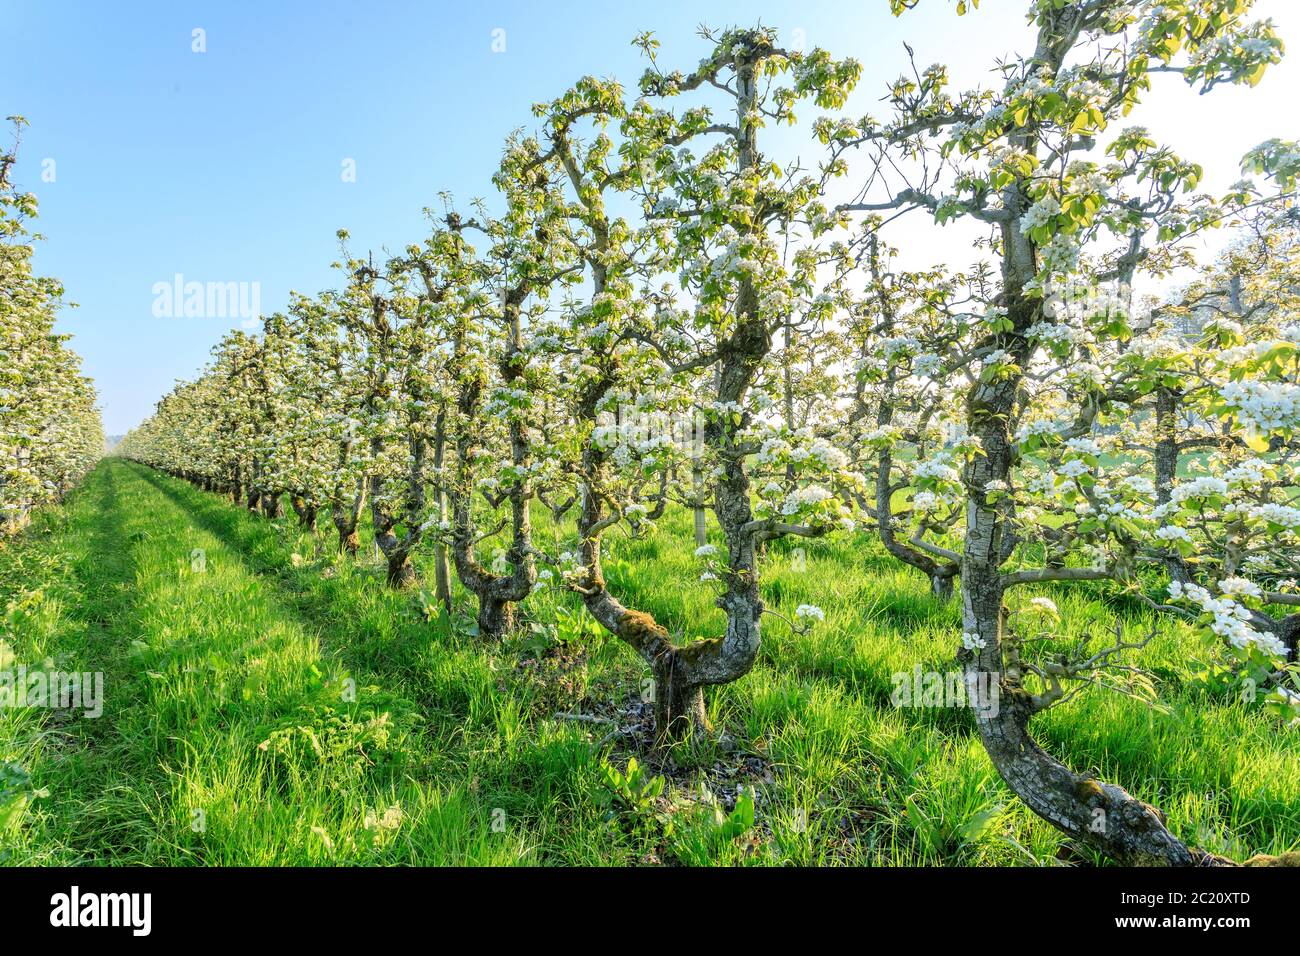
(397, 551)
(346, 518)
(1166, 462)
(496, 616)
(701, 517)
(442, 575)
(401, 573)
(941, 586)
(678, 706)
(1099, 814)
(1288, 632)
(306, 512)
(441, 560)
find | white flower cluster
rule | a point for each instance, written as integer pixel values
(1231, 619)
(1084, 445)
(1240, 587)
(997, 357)
(1090, 184)
(900, 345)
(1248, 474)
(1053, 333)
(1074, 468)
(1164, 346)
(1139, 484)
(1040, 213)
(1087, 375)
(1264, 405)
(1088, 91)
(772, 450)
(1201, 487)
(801, 447)
(939, 467)
(1284, 515)
(1043, 605)
(1061, 253)
(810, 612)
(1043, 483)
(1241, 354)
(1042, 428)
(925, 501)
(803, 498)
(822, 452)
(885, 433)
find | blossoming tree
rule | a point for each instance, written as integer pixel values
(1019, 159)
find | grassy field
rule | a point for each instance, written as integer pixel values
(272, 706)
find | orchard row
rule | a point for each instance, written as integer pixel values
(655, 260)
(50, 430)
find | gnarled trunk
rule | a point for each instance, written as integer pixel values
(396, 551)
(1100, 814)
(496, 592)
(678, 705)
(496, 616)
(940, 573)
(401, 572)
(349, 542)
(305, 511)
(346, 518)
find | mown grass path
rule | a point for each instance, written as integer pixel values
(81, 622)
(227, 737)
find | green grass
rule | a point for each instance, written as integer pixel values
(281, 707)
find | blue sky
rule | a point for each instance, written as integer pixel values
(226, 165)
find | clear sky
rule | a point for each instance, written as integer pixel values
(228, 165)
